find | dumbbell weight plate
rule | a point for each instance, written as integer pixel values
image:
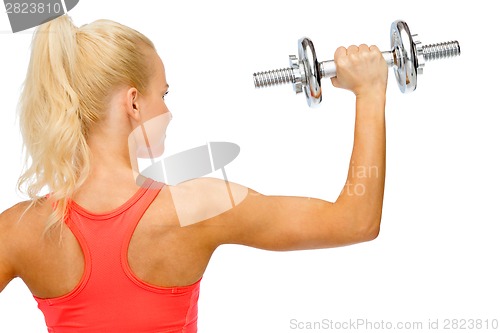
(307, 56)
(405, 68)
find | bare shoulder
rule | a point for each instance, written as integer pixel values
(21, 230)
(10, 231)
(200, 199)
(10, 217)
(22, 213)
(18, 221)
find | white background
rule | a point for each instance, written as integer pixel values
(437, 253)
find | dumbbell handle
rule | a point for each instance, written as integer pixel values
(328, 68)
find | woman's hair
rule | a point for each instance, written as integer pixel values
(71, 73)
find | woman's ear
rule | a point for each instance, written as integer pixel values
(133, 109)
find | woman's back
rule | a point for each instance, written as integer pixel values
(53, 264)
(92, 263)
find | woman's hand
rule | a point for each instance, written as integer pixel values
(362, 70)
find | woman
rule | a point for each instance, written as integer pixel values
(106, 249)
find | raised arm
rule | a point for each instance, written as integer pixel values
(292, 223)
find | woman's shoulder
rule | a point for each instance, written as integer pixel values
(14, 234)
(200, 199)
(12, 214)
(22, 217)
(7, 242)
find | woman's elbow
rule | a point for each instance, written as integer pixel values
(370, 228)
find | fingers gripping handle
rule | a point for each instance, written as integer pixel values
(328, 68)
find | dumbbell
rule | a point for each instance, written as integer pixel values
(407, 56)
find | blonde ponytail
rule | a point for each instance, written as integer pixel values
(71, 73)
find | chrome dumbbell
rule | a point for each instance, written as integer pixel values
(407, 56)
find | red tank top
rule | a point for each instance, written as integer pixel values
(109, 297)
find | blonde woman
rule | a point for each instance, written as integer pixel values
(106, 250)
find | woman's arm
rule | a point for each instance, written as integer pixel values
(293, 223)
